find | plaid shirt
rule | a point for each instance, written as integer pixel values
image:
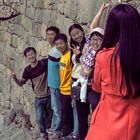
(87, 36)
(88, 59)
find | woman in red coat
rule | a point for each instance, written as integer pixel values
(117, 78)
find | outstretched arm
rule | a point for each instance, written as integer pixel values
(95, 21)
(20, 82)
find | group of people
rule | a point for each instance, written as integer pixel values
(105, 65)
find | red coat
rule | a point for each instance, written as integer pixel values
(115, 118)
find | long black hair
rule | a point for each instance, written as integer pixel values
(123, 30)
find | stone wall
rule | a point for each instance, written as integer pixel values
(29, 28)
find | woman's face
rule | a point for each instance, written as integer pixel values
(96, 42)
(77, 35)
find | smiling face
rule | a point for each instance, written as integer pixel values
(31, 56)
(50, 35)
(96, 42)
(77, 35)
(61, 45)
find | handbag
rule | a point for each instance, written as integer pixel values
(75, 92)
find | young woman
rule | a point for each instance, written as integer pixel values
(96, 37)
(80, 110)
(116, 77)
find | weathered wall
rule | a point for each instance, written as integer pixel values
(29, 28)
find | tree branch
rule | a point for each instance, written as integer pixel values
(14, 12)
(10, 17)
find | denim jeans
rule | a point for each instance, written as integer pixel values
(75, 119)
(56, 107)
(43, 113)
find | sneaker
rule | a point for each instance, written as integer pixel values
(50, 131)
(44, 136)
(71, 137)
(55, 136)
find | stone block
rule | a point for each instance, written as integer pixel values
(53, 18)
(33, 41)
(29, 3)
(38, 4)
(50, 4)
(2, 38)
(7, 50)
(36, 27)
(43, 30)
(4, 60)
(18, 135)
(26, 37)
(14, 41)
(61, 6)
(30, 12)
(71, 13)
(20, 45)
(38, 15)
(8, 37)
(15, 28)
(27, 23)
(2, 45)
(16, 20)
(22, 6)
(46, 17)
(86, 6)
(63, 23)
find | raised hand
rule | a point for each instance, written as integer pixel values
(106, 5)
(75, 50)
(13, 75)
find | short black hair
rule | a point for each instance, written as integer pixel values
(61, 36)
(28, 49)
(53, 28)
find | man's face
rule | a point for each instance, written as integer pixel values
(31, 56)
(50, 35)
(61, 45)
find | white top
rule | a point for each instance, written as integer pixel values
(77, 66)
(55, 53)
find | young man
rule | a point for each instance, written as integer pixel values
(65, 83)
(54, 82)
(44, 46)
(37, 73)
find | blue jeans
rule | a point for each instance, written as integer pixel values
(75, 119)
(56, 107)
(43, 113)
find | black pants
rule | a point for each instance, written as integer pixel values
(67, 115)
(83, 111)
